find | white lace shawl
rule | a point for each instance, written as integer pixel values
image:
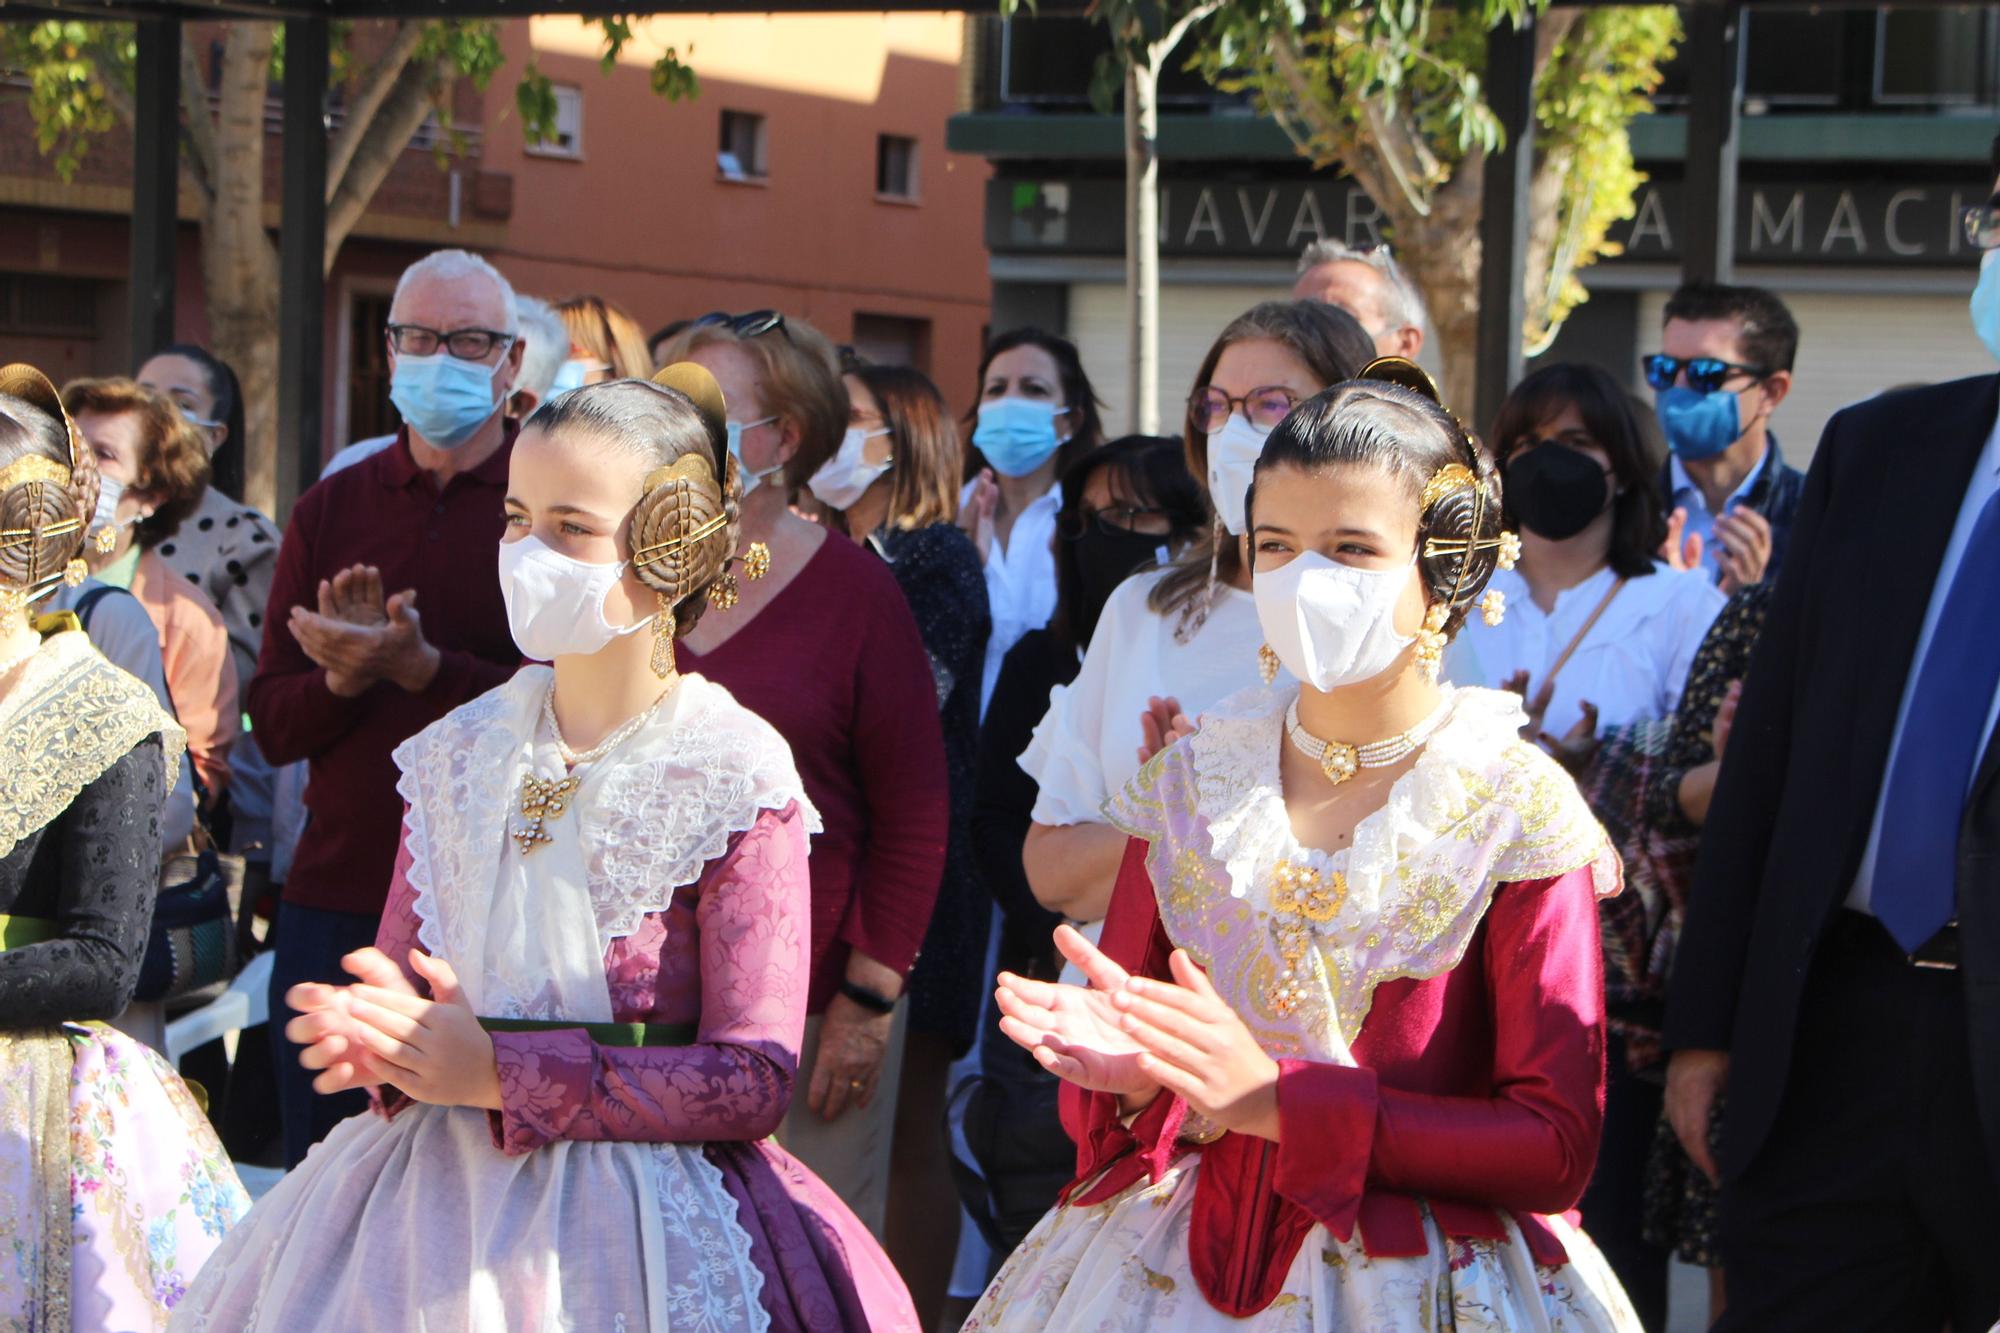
(649, 816)
(1479, 808)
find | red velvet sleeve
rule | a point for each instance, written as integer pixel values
(1530, 1145)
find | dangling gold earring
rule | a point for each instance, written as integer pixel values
(756, 561)
(723, 593)
(1267, 663)
(1431, 641)
(663, 637)
(1493, 606)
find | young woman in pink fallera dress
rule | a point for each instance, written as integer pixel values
(584, 1010)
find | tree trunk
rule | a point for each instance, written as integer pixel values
(239, 262)
(1142, 244)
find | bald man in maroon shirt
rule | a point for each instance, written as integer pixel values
(385, 614)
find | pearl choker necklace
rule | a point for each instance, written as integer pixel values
(1341, 761)
(546, 799)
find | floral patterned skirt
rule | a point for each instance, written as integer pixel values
(1123, 1265)
(113, 1188)
(418, 1222)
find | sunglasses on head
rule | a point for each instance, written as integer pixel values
(755, 324)
(1705, 374)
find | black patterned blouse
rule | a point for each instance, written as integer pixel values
(1724, 656)
(94, 871)
(939, 571)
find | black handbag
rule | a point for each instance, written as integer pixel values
(1014, 1132)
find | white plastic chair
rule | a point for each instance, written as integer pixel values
(246, 1003)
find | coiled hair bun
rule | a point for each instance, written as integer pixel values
(48, 482)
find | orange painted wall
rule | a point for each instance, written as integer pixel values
(645, 220)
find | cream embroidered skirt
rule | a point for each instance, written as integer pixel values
(419, 1224)
(1123, 1265)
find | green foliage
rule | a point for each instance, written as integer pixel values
(78, 75)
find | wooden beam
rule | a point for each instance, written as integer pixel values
(1503, 217)
(301, 261)
(156, 149)
(1715, 113)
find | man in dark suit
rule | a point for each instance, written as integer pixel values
(1839, 966)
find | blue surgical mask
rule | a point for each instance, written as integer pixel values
(573, 375)
(751, 480)
(1017, 435)
(444, 399)
(1699, 425)
(1986, 303)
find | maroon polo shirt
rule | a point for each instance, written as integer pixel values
(387, 512)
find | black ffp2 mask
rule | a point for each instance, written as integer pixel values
(1554, 490)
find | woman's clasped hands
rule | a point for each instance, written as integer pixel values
(381, 1031)
(1134, 1036)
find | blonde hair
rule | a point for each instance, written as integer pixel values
(801, 382)
(609, 334)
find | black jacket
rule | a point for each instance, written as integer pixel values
(1806, 762)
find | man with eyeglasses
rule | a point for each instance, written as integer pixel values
(1839, 964)
(1724, 365)
(385, 614)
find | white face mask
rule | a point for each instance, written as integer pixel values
(843, 478)
(751, 480)
(110, 491)
(1331, 624)
(555, 604)
(1232, 458)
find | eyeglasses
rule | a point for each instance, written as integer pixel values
(1705, 374)
(1982, 224)
(755, 324)
(465, 344)
(1115, 521)
(1263, 408)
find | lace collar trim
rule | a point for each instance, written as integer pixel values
(69, 717)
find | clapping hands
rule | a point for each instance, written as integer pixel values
(381, 1031)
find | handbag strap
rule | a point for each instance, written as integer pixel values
(1576, 641)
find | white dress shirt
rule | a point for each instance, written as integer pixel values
(1020, 581)
(1985, 481)
(1632, 664)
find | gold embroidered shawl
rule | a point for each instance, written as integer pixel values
(1297, 940)
(69, 717)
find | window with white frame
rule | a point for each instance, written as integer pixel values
(740, 155)
(895, 167)
(567, 141)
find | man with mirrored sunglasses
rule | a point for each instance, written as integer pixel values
(1724, 365)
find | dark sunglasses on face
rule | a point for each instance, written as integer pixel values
(1705, 374)
(754, 324)
(1116, 521)
(1265, 407)
(465, 344)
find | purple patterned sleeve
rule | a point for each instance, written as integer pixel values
(735, 1082)
(396, 936)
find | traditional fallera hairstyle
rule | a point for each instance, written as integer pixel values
(1086, 427)
(1335, 347)
(48, 490)
(1381, 423)
(225, 465)
(608, 334)
(685, 524)
(927, 456)
(1619, 426)
(172, 462)
(801, 380)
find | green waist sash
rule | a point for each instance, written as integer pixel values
(604, 1034)
(16, 931)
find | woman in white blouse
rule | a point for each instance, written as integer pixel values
(1037, 414)
(1180, 639)
(1598, 631)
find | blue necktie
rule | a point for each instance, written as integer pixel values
(1923, 803)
